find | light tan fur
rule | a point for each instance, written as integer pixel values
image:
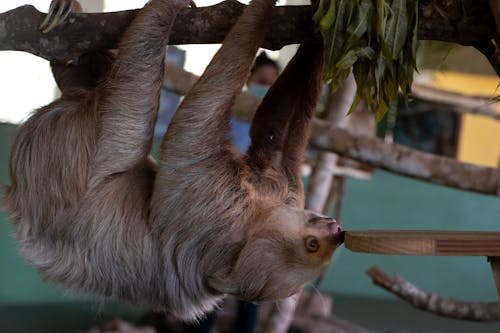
(96, 214)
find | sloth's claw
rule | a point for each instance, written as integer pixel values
(58, 12)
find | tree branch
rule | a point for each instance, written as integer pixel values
(456, 102)
(179, 81)
(442, 306)
(376, 153)
(463, 21)
(407, 161)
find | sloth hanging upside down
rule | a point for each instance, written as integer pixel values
(95, 213)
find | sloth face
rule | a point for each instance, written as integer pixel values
(285, 248)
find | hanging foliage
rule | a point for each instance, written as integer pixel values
(378, 39)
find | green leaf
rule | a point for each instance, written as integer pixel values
(328, 20)
(322, 10)
(357, 30)
(378, 39)
(353, 55)
(380, 67)
(365, 53)
(397, 28)
(347, 60)
(335, 38)
(383, 14)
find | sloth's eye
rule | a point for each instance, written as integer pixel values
(312, 244)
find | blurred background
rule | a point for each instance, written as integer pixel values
(379, 200)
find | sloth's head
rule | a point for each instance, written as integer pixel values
(284, 249)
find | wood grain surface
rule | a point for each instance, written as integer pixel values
(424, 242)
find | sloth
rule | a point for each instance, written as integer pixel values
(97, 214)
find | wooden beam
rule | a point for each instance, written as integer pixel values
(425, 242)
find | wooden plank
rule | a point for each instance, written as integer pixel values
(424, 242)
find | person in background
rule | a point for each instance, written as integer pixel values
(263, 74)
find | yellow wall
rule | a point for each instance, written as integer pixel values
(479, 137)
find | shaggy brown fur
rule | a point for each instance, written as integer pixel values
(96, 214)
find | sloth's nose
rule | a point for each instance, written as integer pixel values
(335, 227)
(335, 230)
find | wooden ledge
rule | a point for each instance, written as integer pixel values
(424, 242)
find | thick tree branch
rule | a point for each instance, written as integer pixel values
(464, 22)
(443, 306)
(407, 161)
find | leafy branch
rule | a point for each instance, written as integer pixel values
(378, 40)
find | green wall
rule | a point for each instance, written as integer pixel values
(384, 202)
(393, 202)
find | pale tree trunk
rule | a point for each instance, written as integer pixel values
(281, 315)
(321, 183)
(321, 179)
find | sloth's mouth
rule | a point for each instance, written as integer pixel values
(337, 232)
(334, 229)
(340, 238)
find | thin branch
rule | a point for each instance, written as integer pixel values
(465, 22)
(320, 181)
(407, 161)
(442, 306)
(457, 102)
